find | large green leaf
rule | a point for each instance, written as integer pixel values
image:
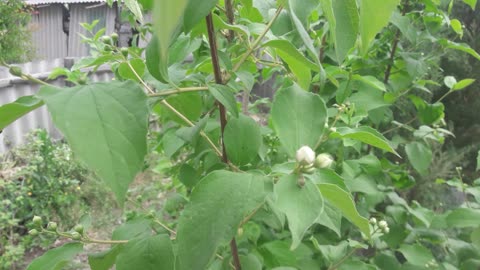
(302, 205)
(307, 41)
(420, 156)
(188, 104)
(298, 63)
(464, 218)
(428, 113)
(459, 46)
(12, 111)
(106, 126)
(104, 260)
(125, 69)
(298, 117)
(330, 218)
(167, 22)
(195, 11)
(366, 135)
(134, 7)
(218, 204)
(57, 258)
(346, 26)
(471, 3)
(343, 201)
(150, 253)
(416, 254)
(242, 139)
(374, 16)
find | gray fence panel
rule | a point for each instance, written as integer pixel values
(12, 88)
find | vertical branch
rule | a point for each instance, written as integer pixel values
(395, 41)
(231, 18)
(218, 78)
(223, 116)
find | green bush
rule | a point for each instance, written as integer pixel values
(38, 178)
(15, 36)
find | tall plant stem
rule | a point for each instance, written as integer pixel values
(395, 42)
(229, 10)
(223, 116)
(178, 91)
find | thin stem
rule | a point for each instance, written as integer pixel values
(178, 91)
(400, 126)
(395, 42)
(107, 242)
(186, 120)
(29, 77)
(179, 114)
(444, 96)
(257, 41)
(150, 90)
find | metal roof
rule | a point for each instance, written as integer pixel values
(43, 2)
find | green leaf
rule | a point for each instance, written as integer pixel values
(374, 16)
(250, 262)
(428, 113)
(420, 156)
(203, 226)
(225, 96)
(346, 27)
(298, 117)
(302, 205)
(151, 253)
(20, 107)
(196, 11)
(133, 6)
(330, 218)
(366, 135)
(138, 227)
(57, 258)
(457, 27)
(462, 84)
(459, 46)
(307, 41)
(464, 218)
(242, 138)
(300, 66)
(416, 254)
(106, 126)
(190, 134)
(471, 3)
(104, 260)
(343, 201)
(188, 104)
(126, 71)
(152, 60)
(167, 22)
(370, 81)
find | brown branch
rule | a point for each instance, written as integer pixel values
(223, 116)
(395, 42)
(231, 18)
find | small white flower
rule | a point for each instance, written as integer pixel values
(305, 155)
(382, 224)
(386, 230)
(373, 221)
(323, 161)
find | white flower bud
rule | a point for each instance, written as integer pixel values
(373, 221)
(323, 161)
(382, 224)
(386, 230)
(305, 155)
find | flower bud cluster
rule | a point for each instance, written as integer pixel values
(307, 161)
(381, 225)
(77, 233)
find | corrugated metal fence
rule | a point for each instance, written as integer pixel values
(11, 88)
